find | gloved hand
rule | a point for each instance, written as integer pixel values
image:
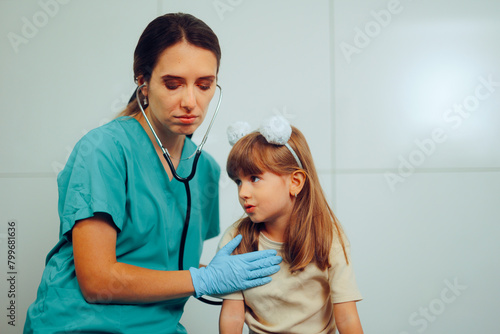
(228, 273)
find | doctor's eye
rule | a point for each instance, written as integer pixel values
(172, 84)
(205, 84)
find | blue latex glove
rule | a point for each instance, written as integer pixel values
(228, 273)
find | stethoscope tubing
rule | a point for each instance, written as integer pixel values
(184, 180)
(164, 149)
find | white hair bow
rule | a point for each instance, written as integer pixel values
(275, 129)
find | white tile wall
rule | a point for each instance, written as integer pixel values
(402, 84)
(417, 181)
(74, 74)
(406, 244)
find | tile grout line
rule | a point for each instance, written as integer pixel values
(344, 171)
(337, 171)
(332, 98)
(27, 175)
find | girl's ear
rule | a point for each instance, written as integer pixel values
(297, 181)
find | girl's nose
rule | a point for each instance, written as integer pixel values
(243, 191)
(188, 101)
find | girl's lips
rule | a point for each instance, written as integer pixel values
(249, 208)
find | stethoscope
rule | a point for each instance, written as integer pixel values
(184, 180)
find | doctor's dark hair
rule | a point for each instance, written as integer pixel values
(162, 33)
(313, 226)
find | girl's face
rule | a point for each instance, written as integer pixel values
(180, 89)
(266, 197)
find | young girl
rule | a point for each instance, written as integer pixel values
(315, 291)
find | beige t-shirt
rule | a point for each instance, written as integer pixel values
(299, 303)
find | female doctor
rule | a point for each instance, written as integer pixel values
(115, 267)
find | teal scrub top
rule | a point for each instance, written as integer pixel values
(114, 169)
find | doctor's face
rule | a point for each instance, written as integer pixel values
(181, 87)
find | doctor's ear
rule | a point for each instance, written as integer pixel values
(142, 82)
(297, 181)
(144, 90)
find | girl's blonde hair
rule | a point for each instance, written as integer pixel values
(313, 225)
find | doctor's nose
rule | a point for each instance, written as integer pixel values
(188, 101)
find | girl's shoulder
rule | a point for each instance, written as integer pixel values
(228, 234)
(339, 244)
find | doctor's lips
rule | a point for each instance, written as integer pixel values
(186, 119)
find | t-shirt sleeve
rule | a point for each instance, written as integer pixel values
(228, 235)
(341, 275)
(93, 180)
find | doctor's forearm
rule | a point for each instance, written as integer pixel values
(104, 280)
(124, 283)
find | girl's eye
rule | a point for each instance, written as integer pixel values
(255, 178)
(238, 182)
